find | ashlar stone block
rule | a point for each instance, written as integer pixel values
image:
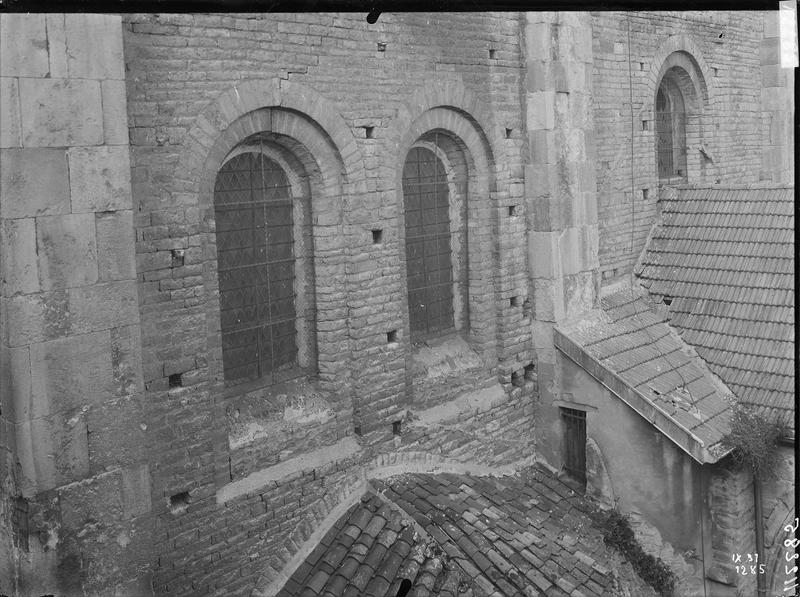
(10, 124)
(18, 269)
(104, 306)
(85, 34)
(33, 182)
(100, 179)
(68, 112)
(23, 46)
(15, 383)
(115, 114)
(70, 373)
(67, 251)
(116, 256)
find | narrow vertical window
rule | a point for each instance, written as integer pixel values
(428, 243)
(256, 267)
(574, 443)
(670, 132)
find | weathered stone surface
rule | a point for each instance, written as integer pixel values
(10, 124)
(33, 182)
(58, 451)
(85, 34)
(18, 270)
(126, 360)
(70, 372)
(116, 255)
(115, 114)
(15, 383)
(70, 112)
(35, 317)
(116, 433)
(23, 46)
(67, 251)
(136, 490)
(103, 306)
(100, 179)
(57, 45)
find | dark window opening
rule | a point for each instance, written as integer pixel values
(176, 380)
(397, 427)
(369, 131)
(508, 133)
(256, 267)
(377, 237)
(645, 194)
(514, 301)
(670, 132)
(391, 337)
(404, 588)
(428, 243)
(667, 300)
(512, 210)
(574, 443)
(492, 54)
(357, 430)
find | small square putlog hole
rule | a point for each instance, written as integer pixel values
(517, 379)
(514, 301)
(391, 337)
(512, 210)
(492, 54)
(645, 194)
(176, 380)
(508, 133)
(179, 502)
(369, 132)
(377, 236)
(397, 427)
(530, 372)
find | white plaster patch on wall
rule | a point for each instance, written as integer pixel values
(472, 402)
(301, 410)
(446, 358)
(342, 449)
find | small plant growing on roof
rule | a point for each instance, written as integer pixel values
(617, 532)
(754, 441)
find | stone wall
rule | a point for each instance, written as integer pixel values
(777, 101)
(73, 466)
(242, 474)
(629, 51)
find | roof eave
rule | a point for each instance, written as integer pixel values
(652, 413)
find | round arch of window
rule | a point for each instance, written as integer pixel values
(436, 179)
(264, 245)
(679, 102)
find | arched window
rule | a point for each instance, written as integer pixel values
(430, 269)
(670, 130)
(262, 229)
(434, 197)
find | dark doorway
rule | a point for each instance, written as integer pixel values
(574, 443)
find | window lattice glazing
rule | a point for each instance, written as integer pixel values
(670, 134)
(428, 243)
(256, 267)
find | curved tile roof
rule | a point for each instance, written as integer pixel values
(725, 259)
(461, 535)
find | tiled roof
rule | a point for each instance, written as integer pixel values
(657, 374)
(726, 259)
(456, 534)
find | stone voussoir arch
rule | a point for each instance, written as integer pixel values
(454, 97)
(255, 94)
(685, 45)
